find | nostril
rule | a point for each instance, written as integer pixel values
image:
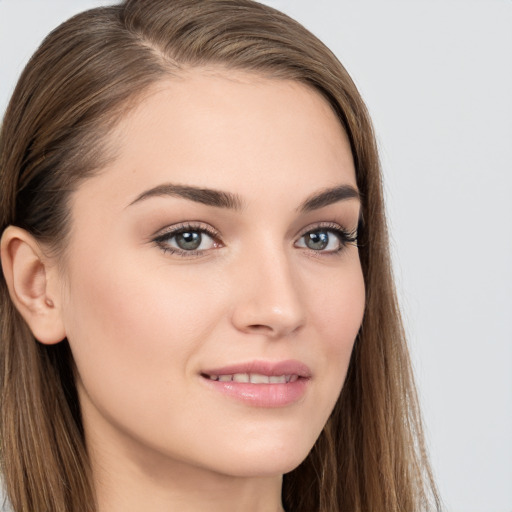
(260, 327)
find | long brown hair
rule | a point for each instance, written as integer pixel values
(86, 74)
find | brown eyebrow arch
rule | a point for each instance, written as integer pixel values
(205, 196)
(329, 196)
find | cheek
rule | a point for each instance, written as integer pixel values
(128, 298)
(337, 311)
(128, 325)
(338, 304)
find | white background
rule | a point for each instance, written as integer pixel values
(437, 78)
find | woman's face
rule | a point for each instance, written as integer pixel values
(212, 285)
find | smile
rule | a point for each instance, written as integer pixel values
(266, 384)
(254, 378)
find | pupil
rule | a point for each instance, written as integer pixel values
(189, 240)
(318, 240)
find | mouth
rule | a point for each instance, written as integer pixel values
(261, 383)
(253, 378)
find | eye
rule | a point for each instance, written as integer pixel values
(187, 240)
(326, 239)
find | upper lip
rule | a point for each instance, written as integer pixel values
(269, 368)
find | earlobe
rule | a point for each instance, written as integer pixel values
(27, 273)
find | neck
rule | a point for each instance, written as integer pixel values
(186, 491)
(127, 483)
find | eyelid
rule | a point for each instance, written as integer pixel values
(184, 226)
(328, 226)
(168, 232)
(345, 236)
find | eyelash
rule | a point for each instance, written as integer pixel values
(162, 240)
(344, 236)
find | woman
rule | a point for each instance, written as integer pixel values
(196, 293)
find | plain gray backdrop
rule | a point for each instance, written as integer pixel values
(437, 78)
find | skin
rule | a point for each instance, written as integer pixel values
(144, 322)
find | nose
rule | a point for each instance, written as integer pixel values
(268, 300)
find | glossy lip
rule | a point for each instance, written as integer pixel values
(262, 395)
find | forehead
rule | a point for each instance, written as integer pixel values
(227, 130)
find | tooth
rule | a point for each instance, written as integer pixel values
(241, 377)
(256, 378)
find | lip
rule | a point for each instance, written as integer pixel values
(262, 395)
(270, 368)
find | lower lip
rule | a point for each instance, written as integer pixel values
(262, 395)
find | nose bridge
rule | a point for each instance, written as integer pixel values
(269, 298)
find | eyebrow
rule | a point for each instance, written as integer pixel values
(205, 196)
(329, 196)
(220, 199)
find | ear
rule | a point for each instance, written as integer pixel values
(32, 284)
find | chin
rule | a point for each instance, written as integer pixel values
(263, 460)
